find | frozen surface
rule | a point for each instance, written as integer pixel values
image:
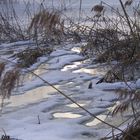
(36, 111)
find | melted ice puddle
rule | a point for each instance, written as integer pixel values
(70, 67)
(89, 71)
(95, 121)
(31, 96)
(68, 115)
(75, 106)
(82, 103)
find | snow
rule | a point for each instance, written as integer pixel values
(66, 115)
(120, 85)
(60, 52)
(14, 44)
(59, 118)
(53, 77)
(36, 101)
(64, 60)
(95, 121)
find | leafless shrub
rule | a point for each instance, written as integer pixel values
(118, 40)
(111, 76)
(113, 42)
(10, 32)
(134, 130)
(101, 40)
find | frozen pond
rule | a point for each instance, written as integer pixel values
(34, 101)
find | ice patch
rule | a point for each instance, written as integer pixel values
(69, 115)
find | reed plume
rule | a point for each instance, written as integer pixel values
(8, 83)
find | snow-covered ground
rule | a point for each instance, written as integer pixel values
(36, 111)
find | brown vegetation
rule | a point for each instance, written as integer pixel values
(10, 79)
(48, 26)
(109, 42)
(10, 32)
(29, 56)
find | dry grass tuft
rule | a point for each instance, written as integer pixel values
(127, 98)
(30, 56)
(8, 82)
(46, 20)
(123, 106)
(134, 130)
(98, 8)
(48, 25)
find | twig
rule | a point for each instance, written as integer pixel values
(127, 17)
(38, 119)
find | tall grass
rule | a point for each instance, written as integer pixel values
(47, 26)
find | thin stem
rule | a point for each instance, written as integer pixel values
(127, 17)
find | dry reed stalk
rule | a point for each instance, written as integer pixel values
(128, 3)
(45, 19)
(98, 8)
(2, 67)
(8, 83)
(47, 25)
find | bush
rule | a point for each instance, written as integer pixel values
(108, 42)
